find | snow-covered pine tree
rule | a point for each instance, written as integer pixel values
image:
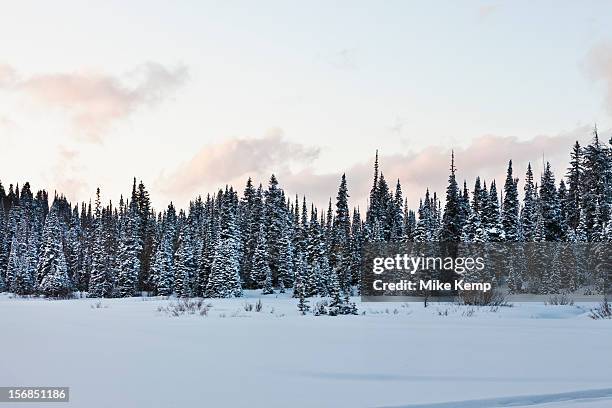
(162, 267)
(452, 223)
(397, 215)
(260, 270)
(145, 226)
(385, 203)
(340, 240)
(410, 223)
(550, 206)
(563, 201)
(249, 214)
(162, 272)
(492, 218)
(595, 184)
(4, 244)
(356, 247)
(510, 212)
(275, 219)
(19, 279)
(285, 261)
(374, 210)
(53, 270)
(129, 252)
(299, 289)
(529, 211)
(224, 280)
(574, 177)
(184, 263)
(100, 279)
(75, 252)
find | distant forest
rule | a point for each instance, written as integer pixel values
(224, 243)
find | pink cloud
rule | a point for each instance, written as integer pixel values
(234, 161)
(95, 101)
(486, 156)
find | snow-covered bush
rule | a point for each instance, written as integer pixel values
(493, 298)
(186, 306)
(603, 311)
(559, 300)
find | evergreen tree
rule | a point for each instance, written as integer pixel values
(574, 177)
(529, 211)
(53, 270)
(550, 207)
(184, 264)
(595, 184)
(356, 246)
(451, 222)
(340, 243)
(129, 261)
(224, 279)
(19, 280)
(260, 270)
(491, 216)
(285, 261)
(510, 213)
(100, 280)
(162, 268)
(397, 216)
(299, 289)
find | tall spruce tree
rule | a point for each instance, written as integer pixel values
(340, 243)
(550, 206)
(129, 252)
(224, 280)
(451, 221)
(53, 270)
(574, 177)
(510, 212)
(529, 210)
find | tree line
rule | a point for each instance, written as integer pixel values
(223, 243)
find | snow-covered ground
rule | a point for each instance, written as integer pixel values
(126, 353)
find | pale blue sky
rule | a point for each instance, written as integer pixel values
(345, 77)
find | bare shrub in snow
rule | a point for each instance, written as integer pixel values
(320, 308)
(469, 312)
(491, 298)
(248, 307)
(258, 306)
(98, 305)
(602, 311)
(559, 300)
(186, 306)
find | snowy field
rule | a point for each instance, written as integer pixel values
(126, 353)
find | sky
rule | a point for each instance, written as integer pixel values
(189, 96)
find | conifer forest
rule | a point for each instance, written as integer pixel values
(256, 237)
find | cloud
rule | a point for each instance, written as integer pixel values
(95, 101)
(599, 69)
(486, 156)
(234, 161)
